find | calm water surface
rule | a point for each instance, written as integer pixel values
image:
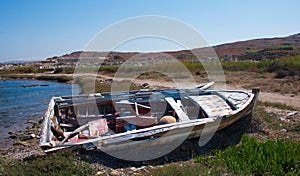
(24, 100)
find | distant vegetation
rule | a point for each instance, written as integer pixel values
(62, 79)
(29, 69)
(289, 66)
(65, 70)
(92, 85)
(284, 46)
(24, 69)
(33, 69)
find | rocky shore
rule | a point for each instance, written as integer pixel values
(25, 143)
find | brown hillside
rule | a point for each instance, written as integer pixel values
(257, 49)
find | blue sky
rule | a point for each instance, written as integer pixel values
(35, 30)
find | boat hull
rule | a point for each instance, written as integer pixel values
(168, 136)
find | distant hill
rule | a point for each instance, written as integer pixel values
(18, 62)
(257, 49)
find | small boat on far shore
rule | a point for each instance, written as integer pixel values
(35, 85)
(120, 120)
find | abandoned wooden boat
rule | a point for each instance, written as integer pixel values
(112, 121)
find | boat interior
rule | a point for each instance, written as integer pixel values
(105, 114)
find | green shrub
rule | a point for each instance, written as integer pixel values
(65, 162)
(108, 69)
(27, 69)
(280, 74)
(285, 46)
(250, 51)
(252, 157)
(194, 67)
(17, 76)
(62, 79)
(67, 70)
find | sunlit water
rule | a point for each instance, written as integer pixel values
(24, 100)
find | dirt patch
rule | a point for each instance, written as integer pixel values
(266, 82)
(290, 100)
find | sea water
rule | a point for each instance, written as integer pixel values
(23, 100)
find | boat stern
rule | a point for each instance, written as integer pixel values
(255, 91)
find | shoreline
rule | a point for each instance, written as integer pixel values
(24, 143)
(65, 78)
(26, 126)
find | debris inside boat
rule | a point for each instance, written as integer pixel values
(117, 120)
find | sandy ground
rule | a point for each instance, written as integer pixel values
(279, 98)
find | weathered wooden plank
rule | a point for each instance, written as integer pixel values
(180, 113)
(213, 105)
